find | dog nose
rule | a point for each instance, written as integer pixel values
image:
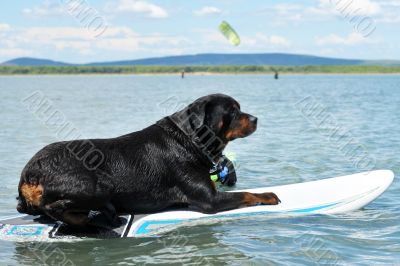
(253, 119)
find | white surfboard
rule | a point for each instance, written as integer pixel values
(326, 196)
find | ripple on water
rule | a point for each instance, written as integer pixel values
(287, 147)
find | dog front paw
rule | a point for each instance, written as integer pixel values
(269, 198)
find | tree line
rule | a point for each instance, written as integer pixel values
(45, 70)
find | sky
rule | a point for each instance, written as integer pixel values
(82, 31)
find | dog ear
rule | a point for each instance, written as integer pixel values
(213, 118)
(191, 118)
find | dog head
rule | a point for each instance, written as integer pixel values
(214, 120)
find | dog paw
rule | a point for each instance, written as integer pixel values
(21, 208)
(269, 198)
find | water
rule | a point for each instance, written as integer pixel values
(287, 147)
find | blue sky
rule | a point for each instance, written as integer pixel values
(81, 31)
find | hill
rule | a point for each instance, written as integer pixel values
(29, 61)
(270, 59)
(235, 59)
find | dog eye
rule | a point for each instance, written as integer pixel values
(233, 115)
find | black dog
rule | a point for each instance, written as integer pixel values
(162, 166)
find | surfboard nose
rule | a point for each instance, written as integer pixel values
(378, 178)
(386, 175)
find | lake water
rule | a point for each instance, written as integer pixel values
(289, 146)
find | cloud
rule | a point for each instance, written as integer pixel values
(391, 12)
(389, 18)
(45, 9)
(346, 7)
(278, 41)
(14, 52)
(282, 14)
(288, 12)
(141, 7)
(31, 41)
(213, 39)
(333, 39)
(211, 35)
(207, 10)
(324, 10)
(391, 3)
(359, 13)
(4, 27)
(272, 40)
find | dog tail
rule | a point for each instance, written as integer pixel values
(30, 193)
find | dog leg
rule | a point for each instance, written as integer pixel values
(224, 201)
(208, 200)
(105, 217)
(67, 211)
(57, 208)
(75, 218)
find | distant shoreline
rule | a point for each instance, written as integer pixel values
(201, 74)
(200, 70)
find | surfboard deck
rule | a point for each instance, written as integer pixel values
(326, 196)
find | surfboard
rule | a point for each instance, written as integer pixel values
(327, 196)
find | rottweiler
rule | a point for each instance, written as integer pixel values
(166, 165)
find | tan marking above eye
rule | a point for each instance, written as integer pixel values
(220, 124)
